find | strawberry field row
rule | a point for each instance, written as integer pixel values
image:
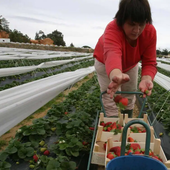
(13, 81)
(65, 134)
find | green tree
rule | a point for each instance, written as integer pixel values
(165, 52)
(37, 36)
(57, 37)
(4, 24)
(17, 36)
(71, 45)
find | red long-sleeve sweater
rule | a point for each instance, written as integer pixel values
(114, 51)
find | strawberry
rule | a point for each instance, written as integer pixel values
(114, 126)
(130, 151)
(144, 130)
(47, 152)
(155, 157)
(109, 129)
(84, 143)
(161, 134)
(102, 123)
(65, 113)
(111, 155)
(105, 129)
(42, 143)
(135, 146)
(130, 139)
(146, 91)
(35, 157)
(53, 129)
(91, 128)
(117, 98)
(116, 150)
(119, 126)
(137, 152)
(108, 123)
(43, 149)
(124, 101)
(151, 153)
(32, 166)
(104, 145)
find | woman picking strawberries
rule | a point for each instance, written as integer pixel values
(128, 39)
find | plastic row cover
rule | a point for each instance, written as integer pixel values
(162, 80)
(20, 70)
(164, 66)
(19, 102)
(14, 54)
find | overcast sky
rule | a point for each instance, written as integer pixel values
(80, 21)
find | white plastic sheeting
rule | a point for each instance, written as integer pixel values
(19, 70)
(164, 59)
(19, 102)
(164, 66)
(162, 80)
(14, 54)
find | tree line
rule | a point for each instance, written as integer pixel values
(17, 36)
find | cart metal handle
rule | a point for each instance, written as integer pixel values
(123, 92)
(124, 135)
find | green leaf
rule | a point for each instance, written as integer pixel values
(27, 132)
(53, 165)
(75, 154)
(3, 156)
(30, 152)
(11, 150)
(22, 153)
(40, 131)
(5, 165)
(63, 146)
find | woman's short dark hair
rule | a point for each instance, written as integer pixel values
(135, 10)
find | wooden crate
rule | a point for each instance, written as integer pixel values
(107, 119)
(155, 147)
(98, 155)
(145, 119)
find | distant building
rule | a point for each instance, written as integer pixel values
(4, 40)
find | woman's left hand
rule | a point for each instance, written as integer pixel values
(146, 86)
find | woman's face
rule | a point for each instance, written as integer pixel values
(133, 29)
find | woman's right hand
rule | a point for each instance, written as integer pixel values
(117, 78)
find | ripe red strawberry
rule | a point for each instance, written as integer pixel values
(114, 126)
(117, 98)
(108, 123)
(65, 113)
(130, 139)
(155, 157)
(84, 143)
(130, 151)
(144, 130)
(137, 152)
(111, 155)
(116, 150)
(135, 146)
(151, 153)
(109, 129)
(91, 128)
(35, 157)
(102, 123)
(104, 145)
(124, 101)
(47, 152)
